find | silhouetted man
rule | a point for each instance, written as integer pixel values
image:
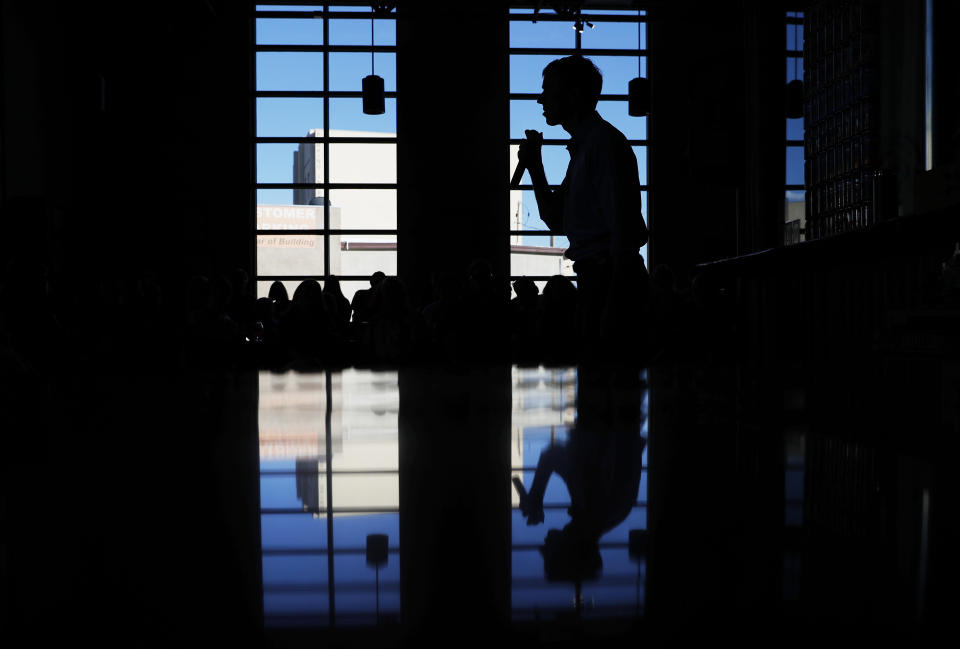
(597, 207)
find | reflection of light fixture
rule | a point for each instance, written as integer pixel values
(794, 94)
(376, 557)
(373, 98)
(638, 90)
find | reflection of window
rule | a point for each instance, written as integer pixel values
(795, 194)
(316, 150)
(616, 43)
(328, 478)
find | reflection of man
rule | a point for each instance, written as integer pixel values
(600, 464)
(598, 205)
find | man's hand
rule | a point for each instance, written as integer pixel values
(529, 154)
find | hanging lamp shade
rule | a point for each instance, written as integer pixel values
(794, 99)
(373, 97)
(638, 95)
(376, 549)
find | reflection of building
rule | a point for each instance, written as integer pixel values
(363, 435)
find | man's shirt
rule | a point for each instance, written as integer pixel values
(600, 194)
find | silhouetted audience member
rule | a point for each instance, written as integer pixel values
(557, 322)
(523, 320)
(307, 327)
(485, 314)
(444, 316)
(212, 337)
(242, 302)
(397, 329)
(338, 306)
(365, 301)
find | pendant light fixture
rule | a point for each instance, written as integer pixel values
(638, 90)
(373, 96)
(794, 94)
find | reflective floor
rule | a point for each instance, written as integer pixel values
(562, 506)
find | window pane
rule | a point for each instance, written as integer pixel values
(357, 31)
(347, 70)
(528, 114)
(526, 71)
(541, 34)
(364, 260)
(610, 36)
(288, 116)
(275, 197)
(362, 209)
(617, 113)
(289, 31)
(541, 261)
(794, 68)
(347, 114)
(293, 530)
(795, 129)
(292, 254)
(641, 153)
(275, 163)
(795, 37)
(617, 72)
(370, 489)
(289, 71)
(794, 165)
(363, 163)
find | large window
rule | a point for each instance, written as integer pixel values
(615, 40)
(326, 173)
(795, 195)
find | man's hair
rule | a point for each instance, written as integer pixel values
(578, 72)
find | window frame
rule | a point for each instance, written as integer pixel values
(326, 14)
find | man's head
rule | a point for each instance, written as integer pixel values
(571, 89)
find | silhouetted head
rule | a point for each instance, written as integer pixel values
(525, 288)
(393, 296)
(308, 293)
(559, 288)
(332, 286)
(377, 278)
(278, 293)
(571, 89)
